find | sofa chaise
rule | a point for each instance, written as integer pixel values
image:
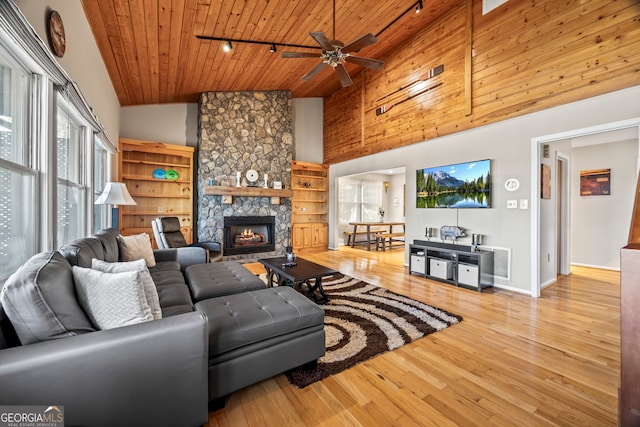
(221, 330)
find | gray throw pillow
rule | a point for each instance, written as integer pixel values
(150, 291)
(136, 247)
(111, 300)
(41, 301)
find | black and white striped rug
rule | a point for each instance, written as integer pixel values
(362, 321)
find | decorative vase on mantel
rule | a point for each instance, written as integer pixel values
(381, 215)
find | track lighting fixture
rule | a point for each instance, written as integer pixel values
(227, 46)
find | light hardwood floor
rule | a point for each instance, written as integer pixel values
(513, 360)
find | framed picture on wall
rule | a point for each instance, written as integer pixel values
(545, 181)
(595, 182)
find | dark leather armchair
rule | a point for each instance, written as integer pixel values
(168, 236)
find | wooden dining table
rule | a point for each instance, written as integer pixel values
(376, 224)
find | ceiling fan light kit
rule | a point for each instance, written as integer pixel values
(335, 54)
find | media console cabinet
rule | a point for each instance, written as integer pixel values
(458, 265)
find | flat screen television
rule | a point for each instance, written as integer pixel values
(460, 185)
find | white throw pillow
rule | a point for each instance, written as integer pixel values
(150, 291)
(111, 300)
(136, 247)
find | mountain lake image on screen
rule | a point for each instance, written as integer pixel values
(460, 185)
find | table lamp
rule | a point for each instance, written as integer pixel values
(115, 193)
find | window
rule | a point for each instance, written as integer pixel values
(72, 187)
(46, 177)
(359, 200)
(17, 175)
(99, 181)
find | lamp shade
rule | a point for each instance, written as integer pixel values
(115, 193)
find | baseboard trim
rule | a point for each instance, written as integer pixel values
(600, 267)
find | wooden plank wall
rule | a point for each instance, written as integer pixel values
(528, 56)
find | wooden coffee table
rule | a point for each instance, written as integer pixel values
(300, 274)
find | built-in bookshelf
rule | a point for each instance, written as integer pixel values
(159, 177)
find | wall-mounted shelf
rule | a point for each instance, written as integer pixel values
(219, 190)
(228, 193)
(159, 196)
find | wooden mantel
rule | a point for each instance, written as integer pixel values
(228, 192)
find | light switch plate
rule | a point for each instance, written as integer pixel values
(524, 203)
(512, 204)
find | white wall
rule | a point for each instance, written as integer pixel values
(308, 129)
(600, 224)
(82, 60)
(508, 145)
(169, 123)
(396, 191)
(178, 124)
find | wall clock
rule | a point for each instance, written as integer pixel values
(511, 184)
(55, 31)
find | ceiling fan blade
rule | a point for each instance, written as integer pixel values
(343, 75)
(300, 55)
(311, 74)
(363, 41)
(365, 62)
(321, 39)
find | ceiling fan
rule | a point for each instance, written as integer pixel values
(335, 53)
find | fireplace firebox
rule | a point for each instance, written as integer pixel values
(249, 234)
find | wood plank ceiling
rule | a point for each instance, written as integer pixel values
(153, 56)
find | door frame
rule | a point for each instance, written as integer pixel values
(563, 235)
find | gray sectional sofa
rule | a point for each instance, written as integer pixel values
(220, 331)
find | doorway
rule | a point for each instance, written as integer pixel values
(536, 154)
(369, 197)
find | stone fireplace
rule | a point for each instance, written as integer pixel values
(239, 131)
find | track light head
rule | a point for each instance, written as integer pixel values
(227, 46)
(272, 49)
(419, 7)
